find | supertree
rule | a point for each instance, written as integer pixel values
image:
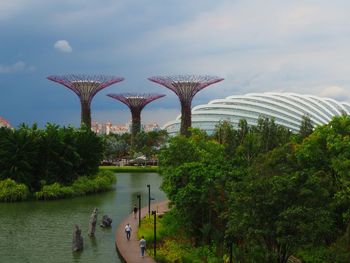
(136, 103)
(185, 87)
(86, 87)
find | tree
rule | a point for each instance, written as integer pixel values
(114, 147)
(90, 149)
(227, 136)
(306, 127)
(192, 170)
(281, 212)
(19, 155)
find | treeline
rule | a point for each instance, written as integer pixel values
(145, 143)
(262, 191)
(37, 158)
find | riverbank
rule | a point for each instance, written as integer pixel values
(131, 169)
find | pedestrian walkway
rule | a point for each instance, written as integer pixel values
(130, 250)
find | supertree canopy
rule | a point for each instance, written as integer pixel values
(86, 87)
(136, 103)
(185, 87)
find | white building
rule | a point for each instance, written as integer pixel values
(286, 108)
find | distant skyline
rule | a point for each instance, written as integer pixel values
(256, 46)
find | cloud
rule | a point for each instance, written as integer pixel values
(16, 67)
(335, 92)
(63, 46)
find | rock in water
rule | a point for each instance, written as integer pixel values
(106, 221)
(78, 243)
(92, 224)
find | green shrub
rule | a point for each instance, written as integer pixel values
(54, 191)
(84, 185)
(10, 191)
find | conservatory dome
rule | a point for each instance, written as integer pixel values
(287, 109)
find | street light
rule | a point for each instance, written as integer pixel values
(154, 213)
(139, 197)
(149, 200)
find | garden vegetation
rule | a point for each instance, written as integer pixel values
(50, 163)
(259, 193)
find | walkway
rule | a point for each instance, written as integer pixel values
(130, 250)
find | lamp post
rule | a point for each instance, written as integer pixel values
(149, 200)
(154, 213)
(139, 197)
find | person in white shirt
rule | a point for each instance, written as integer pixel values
(128, 231)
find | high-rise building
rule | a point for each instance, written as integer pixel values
(109, 128)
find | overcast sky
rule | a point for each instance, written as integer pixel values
(256, 45)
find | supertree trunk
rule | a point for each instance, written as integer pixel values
(86, 114)
(185, 118)
(135, 125)
(136, 102)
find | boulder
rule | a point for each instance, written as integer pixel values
(106, 221)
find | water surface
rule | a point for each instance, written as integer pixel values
(42, 231)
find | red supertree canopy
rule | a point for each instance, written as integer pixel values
(4, 123)
(136, 100)
(85, 86)
(185, 86)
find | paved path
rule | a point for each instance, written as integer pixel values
(130, 250)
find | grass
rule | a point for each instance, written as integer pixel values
(147, 228)
(131, 169)
(172, 245)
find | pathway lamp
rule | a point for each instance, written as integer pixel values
(154, 213)
(149, 200)
(139, 198)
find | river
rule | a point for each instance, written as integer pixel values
(39, 231)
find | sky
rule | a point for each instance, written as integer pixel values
(300, 46)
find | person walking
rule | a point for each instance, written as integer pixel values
(142, 246)
(128, 231)
(135, 211)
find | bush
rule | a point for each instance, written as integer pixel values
(54, 191)
(173, 246)
(10, 191)
(84, 185)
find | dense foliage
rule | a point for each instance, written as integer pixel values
(41, 157)
(262, 191)
(145, 143)
(82, 186)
